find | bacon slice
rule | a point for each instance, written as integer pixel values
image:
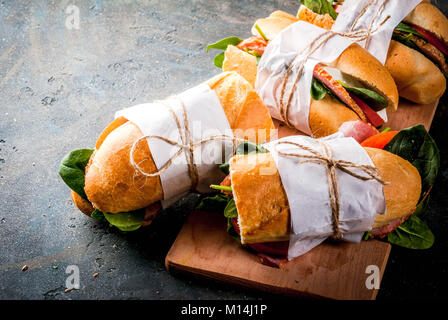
(270, 261)
(383, 231)
(335, 87)
(358, 130)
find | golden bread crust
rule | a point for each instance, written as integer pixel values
(404, 188)
(274, 24)
(324, 21)
(327, 115)
(82, 204)
(263, 209)
(418, 79)
(113, 185)
(262, 204)
(360, 64)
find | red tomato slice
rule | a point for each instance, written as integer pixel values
(432, 39)
(380, 140)
(370, 114)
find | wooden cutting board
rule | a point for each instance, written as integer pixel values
(334, 271)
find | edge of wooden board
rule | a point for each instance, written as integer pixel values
(203, 248)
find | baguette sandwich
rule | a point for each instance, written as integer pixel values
(258, 212)
(105, 185)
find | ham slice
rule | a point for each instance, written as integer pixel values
(323, 76)
(383, 231)
(358, 130)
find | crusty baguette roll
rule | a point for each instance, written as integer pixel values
(262, 204)
(324, 21)
(403, 192)
(82, 204)
(358, 63)
(274, 24)
(327, 115)
(418, 79)
(111, 182)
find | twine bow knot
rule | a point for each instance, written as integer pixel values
(186, 146)
(331, 164)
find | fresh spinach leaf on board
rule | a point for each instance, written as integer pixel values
(414, 233)
(215, 203)
(321, 7)
(373, 99)
(419, 148)
(222, 45)
(72, 170)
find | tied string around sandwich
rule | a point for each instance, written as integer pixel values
(186, 146)
(331, 164)
(316, 44)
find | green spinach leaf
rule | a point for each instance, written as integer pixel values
(230, 209)
(321, 7)
(373, 99)
(318, 90)
(419, 148)
(412, 234)
(402, 27)
(98, 215)
(222, 45)
(126, 221)
(219, 60)
(215, 203)
(72, 170)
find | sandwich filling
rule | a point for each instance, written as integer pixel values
(425, 42)
(415, 37)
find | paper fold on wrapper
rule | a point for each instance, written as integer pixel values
(206, 118)
(307, 188)
(279, 54)
(375, 13)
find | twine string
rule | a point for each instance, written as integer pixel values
(186, 146)
(316, 44)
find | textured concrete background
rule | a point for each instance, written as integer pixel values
(59, 88)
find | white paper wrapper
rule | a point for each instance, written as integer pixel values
(307, 188)
(279, 54)
(378, 44)
(206, 118)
